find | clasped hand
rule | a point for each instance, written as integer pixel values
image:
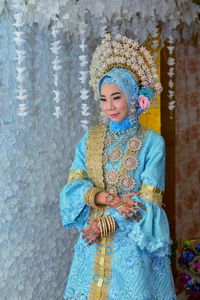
(91, 233)
(125, 206)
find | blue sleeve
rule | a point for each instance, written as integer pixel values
(74, 211)
(152, 232)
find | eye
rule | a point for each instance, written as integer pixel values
(103, 99)
(116, 98)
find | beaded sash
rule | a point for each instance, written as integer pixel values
(102, 263)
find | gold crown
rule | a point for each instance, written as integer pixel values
(123, 52)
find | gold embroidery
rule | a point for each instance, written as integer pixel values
(127, 182)
(115, 155)
(76, 174)
(102, 262)
(102, 272)
(151, 194)
(112, 177)
(121, 179)
(94, 153)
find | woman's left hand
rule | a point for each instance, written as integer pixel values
(92, 232)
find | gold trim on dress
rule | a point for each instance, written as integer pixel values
(76, 174)
(94, 154)
(102, 262)
(151, 194)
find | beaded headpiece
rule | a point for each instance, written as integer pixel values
(123, 52)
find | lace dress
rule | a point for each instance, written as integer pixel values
(134, 262)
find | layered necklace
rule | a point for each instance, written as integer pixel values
(121, 148)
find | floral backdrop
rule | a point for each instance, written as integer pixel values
(188, 140)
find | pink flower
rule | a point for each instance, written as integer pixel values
(143, 102)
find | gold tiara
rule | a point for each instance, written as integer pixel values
(123, 52)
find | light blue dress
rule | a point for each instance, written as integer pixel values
(139, 265)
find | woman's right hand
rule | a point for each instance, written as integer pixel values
(127, 207)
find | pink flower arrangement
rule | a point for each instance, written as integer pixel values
(143, 102)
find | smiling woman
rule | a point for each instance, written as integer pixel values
(113, 102)
(115, 187)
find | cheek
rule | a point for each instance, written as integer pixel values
(103, 105)
(124, 106)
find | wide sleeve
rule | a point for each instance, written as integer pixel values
(74, 211)
(152, 232)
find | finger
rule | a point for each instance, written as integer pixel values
(132, 209)
(135, 218)
(139, 205)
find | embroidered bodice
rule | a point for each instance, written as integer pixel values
(120, 160)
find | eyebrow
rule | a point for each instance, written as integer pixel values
(113, 94)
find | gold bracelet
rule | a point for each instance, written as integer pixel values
(108, 225)
(105, 227)
(100, 227)
(89, 196)
(113, 224)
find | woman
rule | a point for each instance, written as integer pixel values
(115, 186)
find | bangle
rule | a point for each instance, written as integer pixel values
(107, 226)
(89, 196)
(100, 227)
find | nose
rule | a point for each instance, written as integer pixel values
(110, 105)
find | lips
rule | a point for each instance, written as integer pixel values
(114, 115)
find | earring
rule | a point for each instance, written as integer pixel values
(133, 115)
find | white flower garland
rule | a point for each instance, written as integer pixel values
(21, 58)
(56, 65)
(171, 74)
(83, 58)
(175, 16)
(155, 46)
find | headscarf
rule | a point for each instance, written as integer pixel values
(138, 98)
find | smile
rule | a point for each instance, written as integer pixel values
(114, 115)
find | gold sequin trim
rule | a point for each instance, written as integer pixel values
(102, 275)
(151, 194)
(94, 155)
(102, 262)
(76, 174)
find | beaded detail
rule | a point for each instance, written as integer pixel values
(127, 145)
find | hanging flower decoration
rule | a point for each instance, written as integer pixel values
(176, 17)
(84, 93)
(56, 64)
(21, 58)
(171, 74)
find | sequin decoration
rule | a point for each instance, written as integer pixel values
(134, 144)
(112, 177)
(115, 155)
(112, 190)
(128, 183)
(131, 163)
(122, 178)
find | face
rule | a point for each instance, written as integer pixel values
(113, 102)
